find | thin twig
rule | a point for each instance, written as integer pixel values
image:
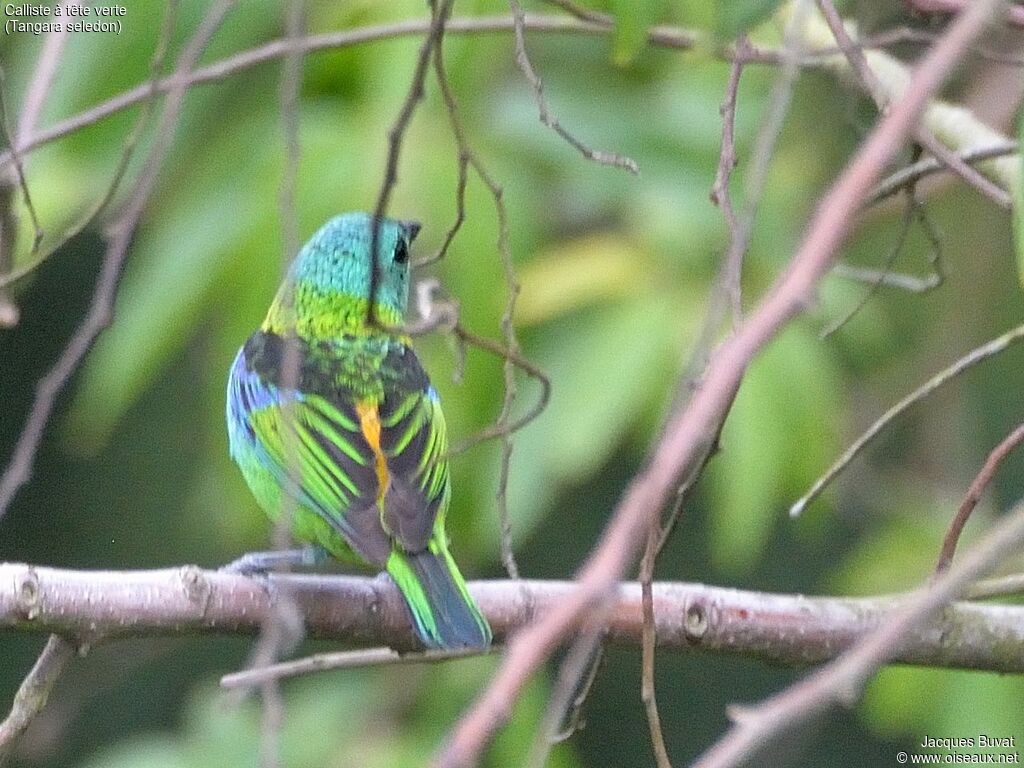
(657, 538)
(1002, 586)
(568, 695)
(1015, 14)
(467, 157)
(575, 720)
(466, 336)
(581, 13)
(907, 221)
(322, 662)
(127, 153)
(673, 38)
(883, 277)
(42, 77)
(120, 233)
(928, 166)
(31, 108)
(544, 111)
(863, 72)
(732, 269)
(841, 681)
(440, 10)
(648, 695)
(725, 293)
(977, 487)
(741, 226)
(444, 315)
(34, 691)
(692, 429)
(19, 171)
(282, 628)
(972, 358)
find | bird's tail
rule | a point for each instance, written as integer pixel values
(443, 613)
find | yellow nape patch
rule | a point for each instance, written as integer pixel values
(369, 422)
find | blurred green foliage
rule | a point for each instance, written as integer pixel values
(615, 274)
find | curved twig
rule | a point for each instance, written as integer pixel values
(969, 360)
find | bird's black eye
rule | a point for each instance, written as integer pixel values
(401, 252)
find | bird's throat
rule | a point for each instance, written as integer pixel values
(313, 315)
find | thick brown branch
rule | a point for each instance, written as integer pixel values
(787, 629)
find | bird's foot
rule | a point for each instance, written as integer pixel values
(261, 563)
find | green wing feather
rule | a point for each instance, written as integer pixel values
(333, 477)
(414, 443)
(336, 479)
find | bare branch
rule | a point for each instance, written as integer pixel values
(1015, 14)
(929, 165)
(947, 125)
(666, 37)
(902, 281)
(31, 107)
(674, 38)
(466, 158)
(913, 211)
(42, 78)
(19, 177)
(569, 692)
(732, 269)
(440, 10)
(322, 662)
(104, 606)
(127, 153)
(1001, 586)
(648, 694)
(726, 290)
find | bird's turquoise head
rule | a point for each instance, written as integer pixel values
(331, 279)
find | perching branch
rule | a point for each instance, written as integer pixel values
(95, 606)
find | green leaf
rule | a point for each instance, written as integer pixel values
(735, 17)
(897, 555)
(632, 18)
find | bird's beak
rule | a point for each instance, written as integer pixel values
(411, 229)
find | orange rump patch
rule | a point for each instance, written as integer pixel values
(369, 422)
